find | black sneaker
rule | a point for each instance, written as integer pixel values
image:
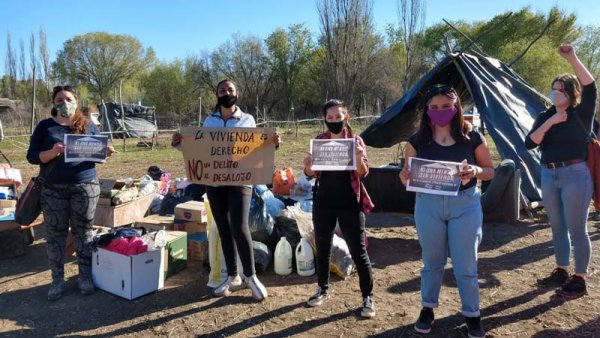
(318, 298)
(423, 324)
(573, 288)
(474, 328)
(557, 278)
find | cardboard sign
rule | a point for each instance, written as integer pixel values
(434, 177)
(85, 148)
(333, 154)
(228, 156)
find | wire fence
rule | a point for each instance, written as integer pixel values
(17, 132)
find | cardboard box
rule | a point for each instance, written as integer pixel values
(9, 225)
(198, 247)
(13, 186)
(155, 223)
(6, 204)
(128, 276)
(176, 252)
(189, 227)
(193, 211)
(123, 214)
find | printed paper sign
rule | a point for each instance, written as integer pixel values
(85, 148)
(229, 156)
(434, 177)
(333, 154)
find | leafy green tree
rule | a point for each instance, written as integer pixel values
(101, 61)
(289, 53)
(168, 90)
(588, 49)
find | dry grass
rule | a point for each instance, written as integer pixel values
(134, 161)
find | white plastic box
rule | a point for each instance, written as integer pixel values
(128, 276)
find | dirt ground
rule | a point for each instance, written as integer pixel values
(511, 257)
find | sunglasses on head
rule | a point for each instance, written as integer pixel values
(67, 88)
(439, 89)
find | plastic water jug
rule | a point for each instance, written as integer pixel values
(283, 257)
(305, 260)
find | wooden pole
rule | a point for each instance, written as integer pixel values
(200, 112)
(33, 103)
(122, 116)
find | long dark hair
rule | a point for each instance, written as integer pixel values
(79, 121)
(338, 103)
(458, 127)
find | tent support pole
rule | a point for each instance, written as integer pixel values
(532, 42)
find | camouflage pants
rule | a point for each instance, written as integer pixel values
(64, 206)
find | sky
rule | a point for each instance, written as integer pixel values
(179, 28)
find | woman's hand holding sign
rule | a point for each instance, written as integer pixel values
(405, 174)
(468, 172)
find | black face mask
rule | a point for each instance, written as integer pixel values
(227, 101)
(335, 127)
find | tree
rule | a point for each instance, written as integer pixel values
(10, 78)
(411, 15)
(245, 61)
(167, 88)
(289, 53)
(588, 49)
(350, 42)
(101, 61)
(44, 59)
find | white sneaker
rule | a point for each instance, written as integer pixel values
(229, 285)
(259, 292)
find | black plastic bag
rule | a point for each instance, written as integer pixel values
(260, 222)
(155, 172)
(288, 228)
(262, 256)
(168, 204)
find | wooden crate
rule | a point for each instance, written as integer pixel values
(127, 213)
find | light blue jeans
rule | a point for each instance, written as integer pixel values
(567, 193)
(450, 226)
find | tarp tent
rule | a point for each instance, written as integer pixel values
(140, 121)
(506, 103)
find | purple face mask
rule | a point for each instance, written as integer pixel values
(442, 117)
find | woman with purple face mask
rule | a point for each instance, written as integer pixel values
(562, 134)
(449, 225)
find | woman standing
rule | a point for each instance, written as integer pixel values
(70, 191)
(341, 197)
(230, 205)
(562, 132)
(449, 225)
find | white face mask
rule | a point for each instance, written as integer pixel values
(66, 109)
(559, 99)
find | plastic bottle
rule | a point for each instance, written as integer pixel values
(283, 257)
(305, 260)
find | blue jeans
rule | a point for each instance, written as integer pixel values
(567, 193)
(450, 225)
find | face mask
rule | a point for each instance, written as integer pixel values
(227, 101)
(66, 109)
(442, 117)
(335, 127)
(558, 98)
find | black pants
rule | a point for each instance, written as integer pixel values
(352, 224)
(230, 207)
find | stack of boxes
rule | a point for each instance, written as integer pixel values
(191, 217)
